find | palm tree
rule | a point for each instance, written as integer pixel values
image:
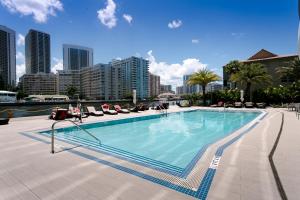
(249, 74)
(232, 67)
(203, 77)
(292, 71)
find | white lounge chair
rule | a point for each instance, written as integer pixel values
(92, 111)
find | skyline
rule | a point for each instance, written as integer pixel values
(178, 38)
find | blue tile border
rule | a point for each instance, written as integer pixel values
(202, 190)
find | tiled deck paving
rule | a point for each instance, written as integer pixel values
(29, 171)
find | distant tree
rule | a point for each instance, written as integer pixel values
(128, 96)
(21, 94)
(203, 77)
(71, 91)
(249, 74)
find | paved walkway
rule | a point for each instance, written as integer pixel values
(287, 156)
(244, 171)
(29, 171)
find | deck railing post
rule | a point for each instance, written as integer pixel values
(52, 139)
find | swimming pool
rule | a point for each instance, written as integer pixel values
(171, 144)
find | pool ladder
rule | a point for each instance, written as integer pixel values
(163, 110)
(67, 120)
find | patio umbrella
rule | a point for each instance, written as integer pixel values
(134, 96)
(242, 95)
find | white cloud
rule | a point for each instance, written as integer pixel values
(128, 18)
(195, 41)
(237, 35)
(107, 15)
(175, 24)
(173, 73)
(20, 56)
(20, 70)
(21, 40)
(20, 67)
(58, 65)
(40, 9)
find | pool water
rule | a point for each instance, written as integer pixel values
(170, 142)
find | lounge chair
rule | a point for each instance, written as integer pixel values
(92, 111)
(74, 112)
(106, 110)
(249, 104)
(120, 110)
(142, 107)
(4, 121)
(134, 109)
(238, 104)
(219, 104)
(260, 105)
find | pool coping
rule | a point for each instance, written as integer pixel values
(202, 190)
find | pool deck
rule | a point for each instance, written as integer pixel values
(29, 171)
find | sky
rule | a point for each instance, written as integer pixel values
(177, 36)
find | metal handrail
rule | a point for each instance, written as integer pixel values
(52, 136)
(162, 109)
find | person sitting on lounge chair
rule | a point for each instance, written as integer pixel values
(106, 110)
(120, 110)
(92, 111)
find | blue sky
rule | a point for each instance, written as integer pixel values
(177, 36)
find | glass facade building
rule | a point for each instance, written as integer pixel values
(7, 57)
(37, 52)
(77, 57)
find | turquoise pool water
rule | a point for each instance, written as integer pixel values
(170, 142)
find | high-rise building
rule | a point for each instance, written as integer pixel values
(212, 87)
(95, 82)
(179, 90)
(190, 89)
(154, 85)
(166, 89)
(77, 57)
(37, 52)
(130, 74)
(7, 57)
(39, 84)
(67, 79)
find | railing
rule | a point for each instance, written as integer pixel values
(163, 110)
(52, 136)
